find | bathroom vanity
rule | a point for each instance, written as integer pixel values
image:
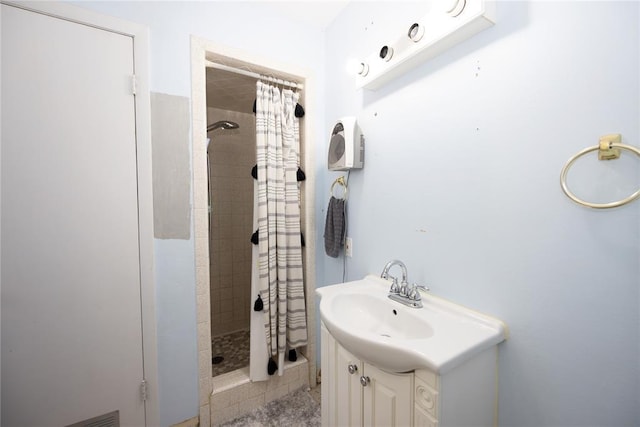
(466, 395)
(387, 364)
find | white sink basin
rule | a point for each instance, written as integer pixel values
(367, 313)
(396, 338)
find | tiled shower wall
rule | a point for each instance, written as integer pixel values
(231, 157)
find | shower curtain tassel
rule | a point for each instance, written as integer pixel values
(300, 176)
(272, 367)
(258, 305)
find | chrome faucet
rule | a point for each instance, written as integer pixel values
(395, 288)
(402, 293)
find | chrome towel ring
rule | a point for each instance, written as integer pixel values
(608, 149)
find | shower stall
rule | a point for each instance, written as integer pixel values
(223, 245)
(230, 157)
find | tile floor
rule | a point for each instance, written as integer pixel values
(296, 409)
(234, 350)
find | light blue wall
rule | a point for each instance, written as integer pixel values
(469, 147)
(252, 27)
(176, 329)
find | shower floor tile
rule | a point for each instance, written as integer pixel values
(234, 350)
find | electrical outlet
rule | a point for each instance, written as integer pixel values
(348, 247)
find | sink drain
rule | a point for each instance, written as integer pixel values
(217, 359)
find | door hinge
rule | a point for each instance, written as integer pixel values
(134, 84)
(143, 390)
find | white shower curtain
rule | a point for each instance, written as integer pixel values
(277, 272)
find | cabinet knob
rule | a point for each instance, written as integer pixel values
(353, 369)
(364, 381)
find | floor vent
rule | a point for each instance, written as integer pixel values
(112, 419)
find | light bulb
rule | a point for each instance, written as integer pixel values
(415, 33)
(386, 53)
(357, 68)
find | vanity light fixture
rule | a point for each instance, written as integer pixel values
(386, 53)
(449, 23)
(415, 33)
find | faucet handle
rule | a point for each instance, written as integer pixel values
(414, 293)
(421, 287)
(395, 288)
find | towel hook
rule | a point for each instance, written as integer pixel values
(608, 149)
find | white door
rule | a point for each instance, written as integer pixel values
(71, 313)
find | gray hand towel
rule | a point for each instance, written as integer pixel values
(334, 227)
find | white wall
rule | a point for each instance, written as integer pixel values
(461, 182)
(239, 25)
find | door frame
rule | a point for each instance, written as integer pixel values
(140, 38)
(201, 51)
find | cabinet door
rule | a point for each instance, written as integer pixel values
(341, 389)
(348, 396)
(387, 398)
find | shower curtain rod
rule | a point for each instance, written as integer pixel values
(248, 73)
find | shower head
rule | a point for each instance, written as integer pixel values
(223, 124)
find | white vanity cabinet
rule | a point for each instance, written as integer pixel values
(465, 395)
